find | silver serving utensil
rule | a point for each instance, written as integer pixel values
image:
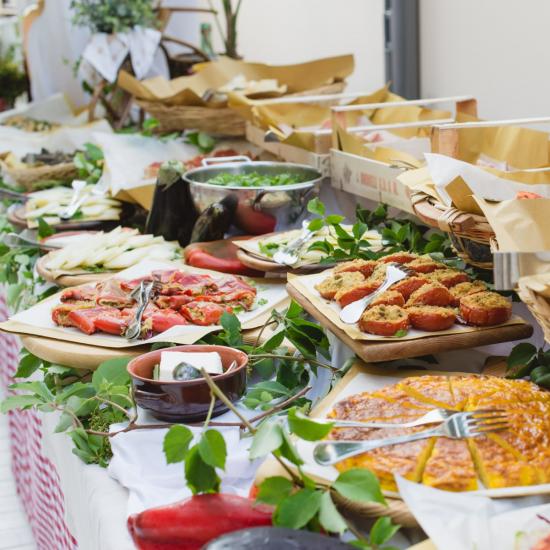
(13, 240)
(394, 273)
(76, 200)
(289, 255)
(13, 195)
(457, 426)
(142, 294)
(431, 417)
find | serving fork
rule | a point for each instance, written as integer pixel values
(142, 294)
(431, 417)
(394, 273)
(457, 426)
(76, 200)
(289, 255)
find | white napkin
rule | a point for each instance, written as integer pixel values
(139, 464)
(460, 521)
(106, 52)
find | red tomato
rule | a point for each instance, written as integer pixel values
(200, 258)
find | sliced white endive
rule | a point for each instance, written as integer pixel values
(126, 259)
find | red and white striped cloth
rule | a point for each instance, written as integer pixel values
(35, 476)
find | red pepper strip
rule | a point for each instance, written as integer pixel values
(200, 258)
(191, 523)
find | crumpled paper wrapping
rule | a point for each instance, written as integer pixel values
(191, 90)
(460, 521)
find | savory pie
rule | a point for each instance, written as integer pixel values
(517, 456)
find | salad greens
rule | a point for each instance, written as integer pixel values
(256, 180)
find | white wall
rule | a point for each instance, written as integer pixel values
(496, 50)
(291, 31)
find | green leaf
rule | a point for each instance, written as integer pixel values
(44, 228)
(294, 310)
(93, 152)
(37, 387)
(519, 361)
(334, 219)
(316, 224)
(329, 517)
(288, 451)
(212, 449)
(359, 485)
(27, 366)
(150, 123)
(232, 327)
(112, 371)
(274, 342)
(176, 443)
(305, 428)
(274, 489)
(65, 422)
(298, 509)
(267, 439)
(200, 476)
(541, 376)
(383, 530)
(315, 206)
(19, 402)
(265, 368)
(205, 142)
(359, 229)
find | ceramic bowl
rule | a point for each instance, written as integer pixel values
(186, 400)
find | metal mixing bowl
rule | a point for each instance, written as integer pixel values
(260, 209)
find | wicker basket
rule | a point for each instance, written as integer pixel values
(534, 291)
(28, 177)
(218, 121)
(470, 234)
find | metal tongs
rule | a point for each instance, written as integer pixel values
(77, 199)
(142, 294)
(289, 255)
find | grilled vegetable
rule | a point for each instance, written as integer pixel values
(213, 223)
(172, 214)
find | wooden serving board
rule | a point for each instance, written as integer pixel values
(376, 351)
(70, 280)
(261, 264)
(81, 356)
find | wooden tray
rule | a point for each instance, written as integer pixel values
(70, 280)
(80, 356)
(376, 351)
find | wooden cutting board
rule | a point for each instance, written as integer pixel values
(376, 351)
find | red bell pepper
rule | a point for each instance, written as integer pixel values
(200, 258)
(191, 523)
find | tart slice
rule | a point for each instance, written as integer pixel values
(450, 466)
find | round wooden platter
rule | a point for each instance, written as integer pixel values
(70, 280)
(16, 217)
(261, 264)
(81, 356)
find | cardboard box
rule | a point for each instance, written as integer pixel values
(370, 179)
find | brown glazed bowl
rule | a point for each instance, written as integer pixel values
(189, 400)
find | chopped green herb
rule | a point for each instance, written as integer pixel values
(256, 180)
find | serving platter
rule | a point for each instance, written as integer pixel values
(261, 264)
(89, 357)
(76, 279)
(15, 216)
(377, 349)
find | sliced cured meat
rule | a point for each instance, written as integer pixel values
(110, 293)
(432, 294)
(79, 294)
(204, 313)
(485, 309)
(173, 302)
(84, 319)
(111, 324)
(431, 318)
(163, 319)
(384, 320)
(60, 313)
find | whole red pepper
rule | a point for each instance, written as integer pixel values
(191, 523)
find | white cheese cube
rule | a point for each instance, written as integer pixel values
(210, 361)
